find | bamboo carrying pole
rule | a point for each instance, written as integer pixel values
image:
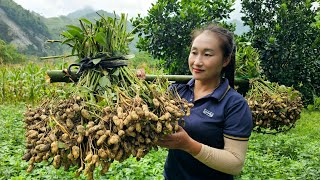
(63, 76)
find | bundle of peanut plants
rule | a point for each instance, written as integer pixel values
(275, 108)
(110, 115)
(247, 61)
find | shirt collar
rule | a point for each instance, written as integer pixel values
(218, 93)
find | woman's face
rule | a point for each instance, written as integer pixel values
(206, 57)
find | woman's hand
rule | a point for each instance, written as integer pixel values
(180, 140)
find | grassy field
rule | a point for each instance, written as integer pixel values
(291, 155)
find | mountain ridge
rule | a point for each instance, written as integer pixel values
(22, 28)
(29, 31)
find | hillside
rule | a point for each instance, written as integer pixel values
(22, 28)
(29, 31)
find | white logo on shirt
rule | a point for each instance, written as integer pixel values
(208, 113)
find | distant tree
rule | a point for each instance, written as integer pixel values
(9, 54)
(316, 24)
(285, 34)
(4, 31)
(165, 31)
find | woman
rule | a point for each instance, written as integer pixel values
(213, 142)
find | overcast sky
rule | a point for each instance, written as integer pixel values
(54, 8)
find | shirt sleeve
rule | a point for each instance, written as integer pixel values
(238, 120)
(229, 160)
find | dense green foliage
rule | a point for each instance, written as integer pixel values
(289, 44)
(143, 60)
(57, 25)
(291, 155)
(9, 54)
(317, 22)
(315, 106)
(165, 31)
(107, 35)
(4, 29)
(247, 61)
(27, 83)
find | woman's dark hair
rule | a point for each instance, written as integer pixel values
(227, 46)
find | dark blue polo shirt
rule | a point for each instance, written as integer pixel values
(223, 113)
